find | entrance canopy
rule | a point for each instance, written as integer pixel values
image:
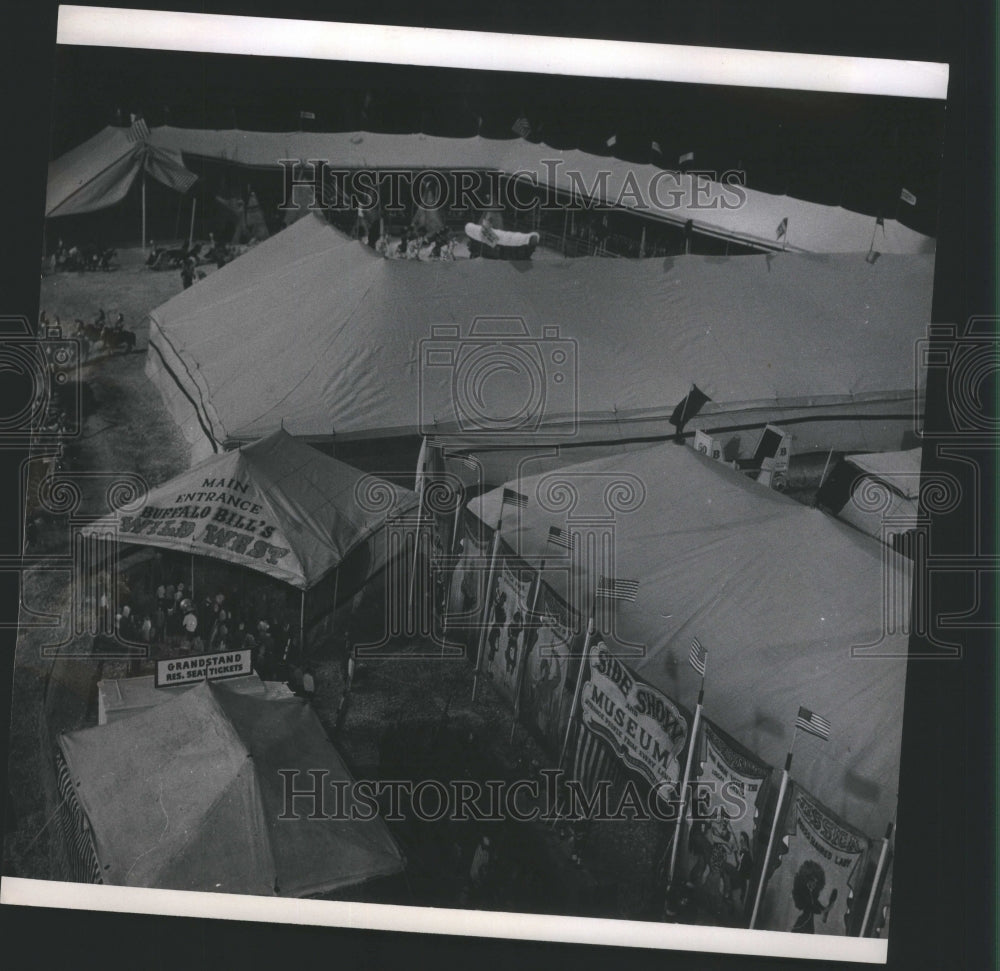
(277, 506)
(99, 173)
(779, 594)
(188, 795)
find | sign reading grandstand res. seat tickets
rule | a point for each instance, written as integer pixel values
(203, 667)
(644, 727)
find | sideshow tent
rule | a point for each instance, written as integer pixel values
(277, 506)
(188, 795)
(780, 595)
(99, 173)
(316, 333)
(752, 217)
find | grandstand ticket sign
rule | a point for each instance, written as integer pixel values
(646, 729)
(203, 667)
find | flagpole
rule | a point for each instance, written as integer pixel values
(774, 830)
(144, 250)
(522, 661)
(421, 483)
(194, 205)
(302, 625)
(822, 478)
(484, 623)
(579, 686)
(876, 880)
(682, 818)
(456, 526)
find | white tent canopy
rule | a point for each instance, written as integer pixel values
(645, 189)
(316, 332)
(778, 594)
(901, 470)
(99, 173)
(277, 506)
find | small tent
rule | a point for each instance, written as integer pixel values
(189, 795)
(793, 607)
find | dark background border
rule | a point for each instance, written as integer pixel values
(944, 894)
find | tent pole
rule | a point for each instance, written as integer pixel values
(822, 478)
(579, 688)
(194, 205)
(774, 830)
(876, 880)
(302, 625)
(522, 661)
(682, 817)
(144, 250)
(484, 623)
(191, 591)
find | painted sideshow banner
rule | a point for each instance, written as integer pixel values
(545, 695)
(645, 728)
(812, 890)
(718, 850)
(507, 624)
(465, 590)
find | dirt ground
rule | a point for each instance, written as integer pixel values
(405, 717)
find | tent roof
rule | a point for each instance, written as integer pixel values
(312, 507)
(642, 188)
(99, 173)
(901, 470)
(187, 796)
(315, 330)
(777, 592)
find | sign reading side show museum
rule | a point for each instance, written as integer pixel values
(202, 667)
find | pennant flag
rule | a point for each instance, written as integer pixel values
(907, 197)
(782, 227)
(810, 722)
(698, 657)
(558, 537)
(521, 127)
(612, 588)
(686, 157)
(514, 498)
(688, 407)
(139, 131)
(310, 115)
(612, 141)
(655, 146)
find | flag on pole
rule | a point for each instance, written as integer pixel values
(908, 197)
(810, 722)
(612, 141)
(309, 115)
(698, 657)
(612, 588)
(686, 157)
(782, 227)
(521, 127)
(514, 498)
(561, 538)
(139, 131)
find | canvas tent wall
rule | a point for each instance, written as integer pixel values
(317, 332)
(669, 196)
(778, 593)
(187, 796)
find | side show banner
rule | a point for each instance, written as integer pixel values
(507, 626)
(645, 728)
(717, 852)
(546, 697)
(812, 890)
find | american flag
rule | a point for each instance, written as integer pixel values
(139, 131)
(559, 537)
(782, 227)
(655, 146)
(810, 722)
(614, 589)
(521, 127)
(514, 498)
(686, 157)
(908, 197)
(464, 460)
(612, 141)
(698, 656)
